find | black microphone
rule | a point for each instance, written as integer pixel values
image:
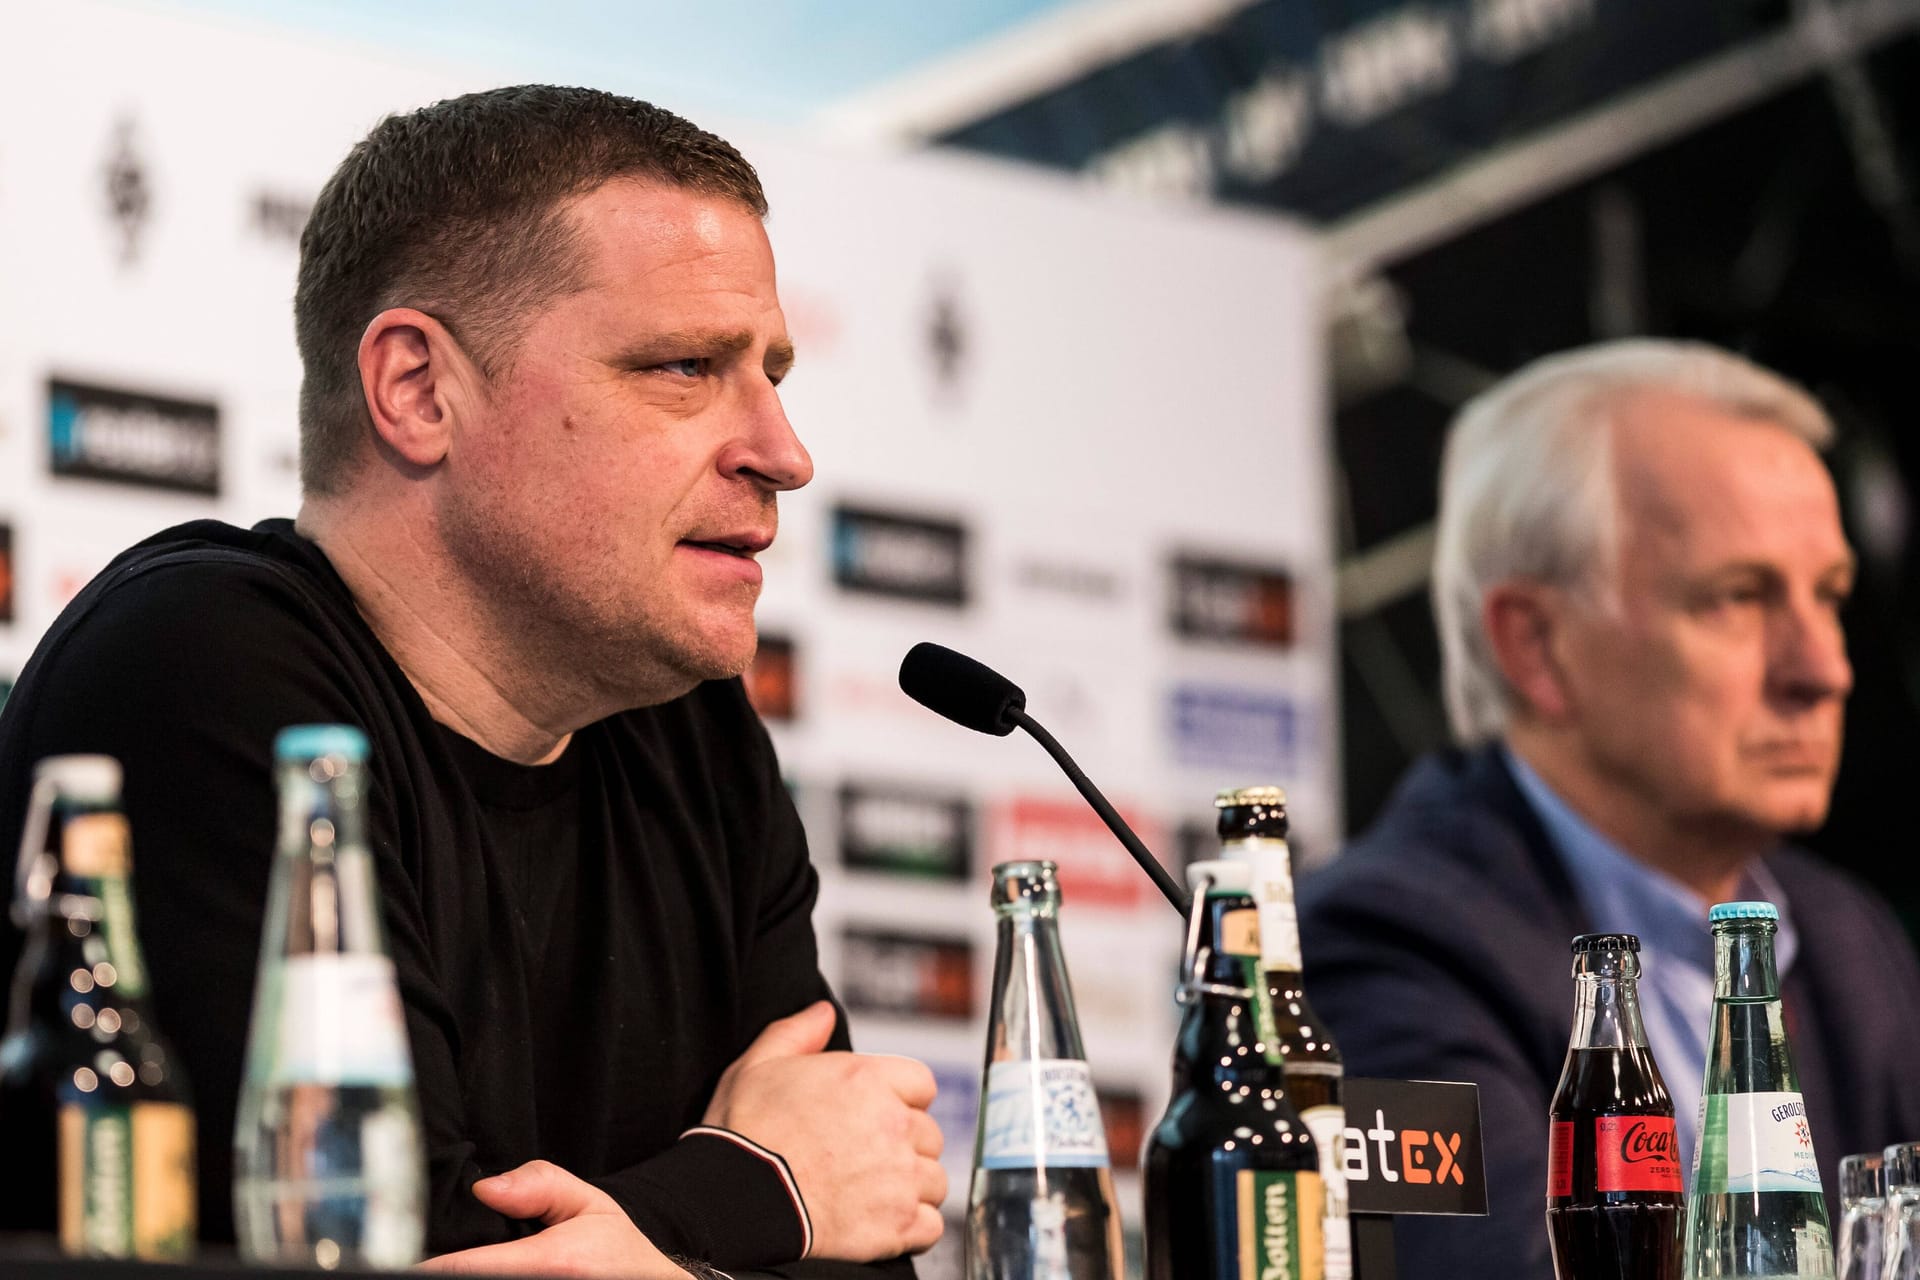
(973, 694)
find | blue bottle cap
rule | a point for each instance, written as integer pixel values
(1742, 911)
(307, 741)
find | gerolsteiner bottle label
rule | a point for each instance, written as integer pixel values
(1278, 1225)
(127, 1180)
(1767, 1144)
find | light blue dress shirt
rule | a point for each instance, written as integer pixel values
(1623, 895)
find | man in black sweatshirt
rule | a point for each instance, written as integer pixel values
(541, 444)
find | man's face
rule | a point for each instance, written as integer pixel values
(611, 490)
(1714, 692)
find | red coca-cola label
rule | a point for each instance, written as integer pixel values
(1635, 1153)
(1560, 1159)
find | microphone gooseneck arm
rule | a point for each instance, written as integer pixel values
(1168, 886)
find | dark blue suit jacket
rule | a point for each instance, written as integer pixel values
(1436, 948)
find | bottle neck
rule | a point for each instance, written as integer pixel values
(1032, 1010)
(1743, 967)
(1606, 1002)
(321, 809)
(325, 900)
(1220, 1042)
(91, 899)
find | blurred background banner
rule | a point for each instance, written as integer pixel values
(1156, 432)
(1081, 440)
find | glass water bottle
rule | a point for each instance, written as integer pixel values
(328, 1168)
(1755, 1207)
(1041, 1206)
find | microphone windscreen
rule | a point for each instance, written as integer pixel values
(964, 691)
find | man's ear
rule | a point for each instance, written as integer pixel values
(416, 380)
(1523, 622)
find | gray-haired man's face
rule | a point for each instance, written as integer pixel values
(1713, 688)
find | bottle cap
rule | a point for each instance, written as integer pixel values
(1588, 942)
(306, 741)
(1235, 797)
(81, 777)
(1227, 877)
(1742, 911)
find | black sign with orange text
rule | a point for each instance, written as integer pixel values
(1413, 1146)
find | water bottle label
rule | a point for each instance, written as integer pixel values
(1328, 1125)
(1042, 1115)
(1635, 1153)
(126, 1180)
(341, 1022)
(1277, 1225)
(1756, 1142)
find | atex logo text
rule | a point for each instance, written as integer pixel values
(1418, 1155)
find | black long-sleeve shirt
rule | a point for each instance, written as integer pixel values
(582, 947)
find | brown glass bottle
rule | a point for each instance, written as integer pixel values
(1232, 1181)
(99, 1127)
(1613, 1170)
(1252, 825)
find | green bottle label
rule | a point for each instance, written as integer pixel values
(1278, 1227)
(1263, 1023)
(127, 1180)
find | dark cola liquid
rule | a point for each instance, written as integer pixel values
(1614, 1189)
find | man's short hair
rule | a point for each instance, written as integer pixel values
(456, 210)
(1527, 487)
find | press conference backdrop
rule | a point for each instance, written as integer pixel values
(1080, 440)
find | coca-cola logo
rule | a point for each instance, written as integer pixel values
(1640, 1144)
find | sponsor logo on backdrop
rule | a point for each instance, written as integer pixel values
(1232, 601)
(131, 437)
(1095, 869)
(1258, 730)
(1125, 1117)
(6, 573)
(772, 680)
(129, 196)
(906, 975)
(1055, 577)
(906, 831)
(946, 339)
(278, 216)
(890, 554)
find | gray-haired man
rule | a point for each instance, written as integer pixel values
(1638, 583)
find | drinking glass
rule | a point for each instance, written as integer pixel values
(1863, 1203)
(1900, 1259)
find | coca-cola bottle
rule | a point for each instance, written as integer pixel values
(1613, 1166)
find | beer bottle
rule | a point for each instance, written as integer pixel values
(1613, 1165)
(1232, 1186)
(1755, 1207)
(1252, 825)
(99, 1126)
(328, 1167)
(1041, 1205)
